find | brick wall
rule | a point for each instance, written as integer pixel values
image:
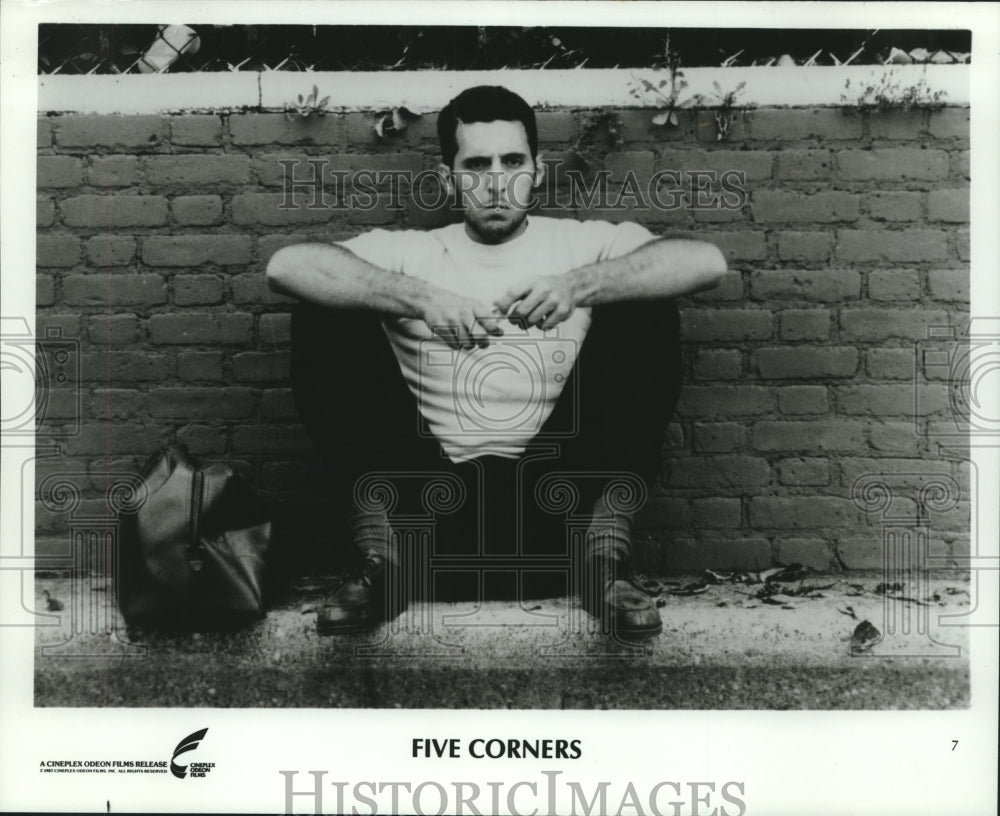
(153, 234)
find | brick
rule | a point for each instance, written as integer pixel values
(119, 290)
(45, 212)
(897, 125)
(886, 436)
(203, 439)
(637, 162)
(113, 330)
(60, 404)
(806, 362)
(126, 437)
(699, 325)
(804, 471)
(58, 171)
(125, 366)
(824, 285)
(802, 512)
(883, 324)
(730, 289)
(908, 245)
(138, 132)
(812, 553)
(195, 130)
(716, 512)
(253, 289)
(895, 206)
(815, 208)
(692, 555)
(804, 324)
(196, 210)
(198, 170)
(45, 290)
(57, 250)
(949, 284)
(113, 171)
(637, 126)
(274, 128)
(278, 403)
(815, 436)
(659, 512)
(379, 214)
(194, 366)
(797, 400)
(198, 403)
(804, 246)
(261, 439)
(275, 328)
(266, 209)
(110, 250)
(904, 475)
(181, 329)
(718, 364)
(960, 164)
(113, 212)
(708, 401)
(555, 126)
(192, 290)
(193, 250)
(892, 164)
(755, 165)
(950, 123)
(59, 325)
(268, 366)
(892, 400)
(962, 244)
(118, 404)
(720, 472)
(804, 165)
(43, 133)
(949, 205)
(891, 364)
(718, 437)
(894, 284)
(738, 246)
(793, 125)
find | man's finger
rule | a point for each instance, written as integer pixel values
(528, 306)
(511, 296)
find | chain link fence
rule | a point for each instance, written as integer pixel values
(125, 49)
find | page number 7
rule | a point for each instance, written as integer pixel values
(954, 744)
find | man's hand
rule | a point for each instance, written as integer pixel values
(461, 322)
(543, 301)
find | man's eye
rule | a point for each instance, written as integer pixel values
(476, 164)
(514, 161)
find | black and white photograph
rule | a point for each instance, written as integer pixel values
(500, 408)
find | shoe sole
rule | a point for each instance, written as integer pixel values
(638, 635)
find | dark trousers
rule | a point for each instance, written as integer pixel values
(607, 426)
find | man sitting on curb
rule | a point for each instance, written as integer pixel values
(506, 350)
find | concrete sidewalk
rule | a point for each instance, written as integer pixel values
(722, 648)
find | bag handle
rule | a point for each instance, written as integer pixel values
(195, 549)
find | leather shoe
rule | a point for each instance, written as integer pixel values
(362, 602)
(624, 610)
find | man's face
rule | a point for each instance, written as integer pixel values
(494, 174)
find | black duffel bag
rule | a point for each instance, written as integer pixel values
(193, 555)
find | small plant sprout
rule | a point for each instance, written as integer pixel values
(668, 97)
(888, 94)
(725, 109)
(306, 106)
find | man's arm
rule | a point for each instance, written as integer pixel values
(333, 276)
(664, 268)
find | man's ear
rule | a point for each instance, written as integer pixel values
(539, 171)
(447, 181)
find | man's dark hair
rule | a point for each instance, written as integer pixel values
(484, 103)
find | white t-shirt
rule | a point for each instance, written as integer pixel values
(494, 400)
